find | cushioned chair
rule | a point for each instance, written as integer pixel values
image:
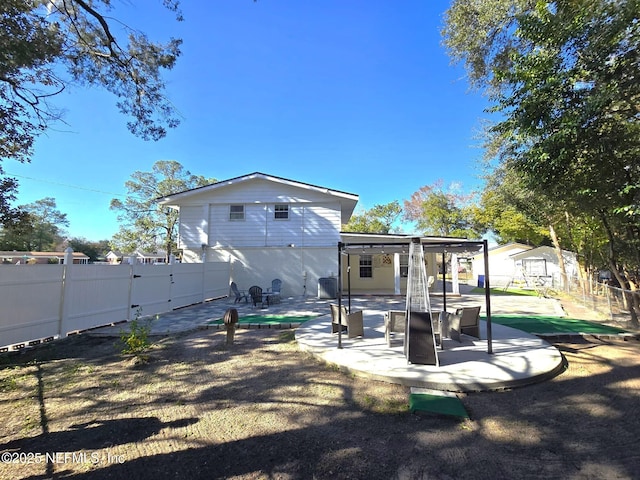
(352, 322)
(239, 294)
(469, 321)
(450, 325)
(394, 322)
(257, 297)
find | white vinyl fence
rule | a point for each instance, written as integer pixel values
(42, 302)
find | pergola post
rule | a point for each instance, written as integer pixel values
(340, 247)
(487, 295)
(436, 246)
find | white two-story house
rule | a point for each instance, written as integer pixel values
(267, 227)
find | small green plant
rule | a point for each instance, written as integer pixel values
(287, 336)
(136, 338)
(8, 384)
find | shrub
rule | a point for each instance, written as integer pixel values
(136, 338)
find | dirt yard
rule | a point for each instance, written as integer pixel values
(262, 409)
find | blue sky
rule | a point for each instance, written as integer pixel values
(356, 95)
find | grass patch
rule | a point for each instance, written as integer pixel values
(508, 291)
(546, 324)
(287, 336)
(269, 319)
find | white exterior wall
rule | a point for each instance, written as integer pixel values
(307, 225)
(194, 225)
(298, 250)
(314, 220)
(501, 265)
(548, 254)
(298, 268)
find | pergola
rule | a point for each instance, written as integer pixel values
(400, 244)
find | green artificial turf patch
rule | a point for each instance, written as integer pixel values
(546, 324)
(422, 400)
(269, 319)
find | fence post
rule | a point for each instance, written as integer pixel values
(130, 299)
(64, 296)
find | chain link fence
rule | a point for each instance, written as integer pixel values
(611, 302)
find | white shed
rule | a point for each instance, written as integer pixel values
(501, 266)
(543, 262)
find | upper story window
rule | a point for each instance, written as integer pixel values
(281, 211)
(236, 212)
(366, 266)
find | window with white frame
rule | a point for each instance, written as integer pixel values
(536, 267)
(236, 212)
(404, 265)
(281, 211)
(366, 266)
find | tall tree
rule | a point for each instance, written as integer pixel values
(147, 225)
(442, 213)
(41, 228)
(46, 46)
(480, 34)
(379, 219)
(564, 76)
(512, 212)
(8, 190)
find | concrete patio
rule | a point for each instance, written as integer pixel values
(518, 358)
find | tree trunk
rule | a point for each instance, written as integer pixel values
(558, 249)
(627, 295)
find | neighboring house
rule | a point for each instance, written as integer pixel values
(267, 227)
(150, 258)
(31, 258)
(543, 262)
(116, 257)
(501, 266)
(518, 264)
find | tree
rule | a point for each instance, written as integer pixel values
(48, 46)
(147, 225)
(480, 34)
(17, 235)
(8, 189)
(378, 219)
(510, 211)
(39, 229)
(94, 250)
(440, 213)
(42, 40)
(564, 76)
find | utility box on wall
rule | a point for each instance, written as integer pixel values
(328, 287)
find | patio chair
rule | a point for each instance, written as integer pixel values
(394, 322)
(353, 322)
(469, 321)
(239, 294)
(274, 291)
(257, 296)
(450, 325)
